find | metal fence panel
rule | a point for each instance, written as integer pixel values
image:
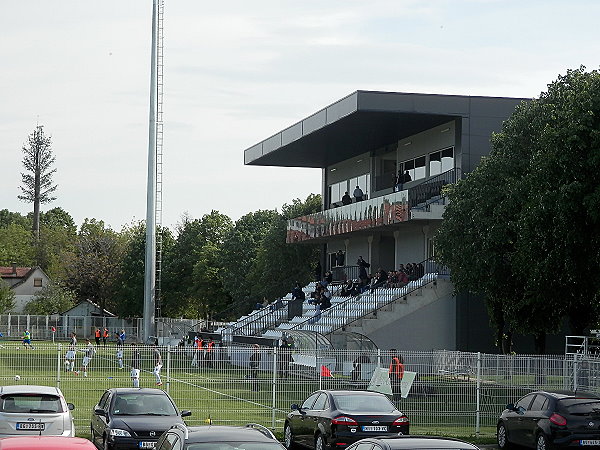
(454, 393)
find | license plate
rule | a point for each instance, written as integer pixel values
(374, 428)
(594, 442)
(146, 444)
(30, 426)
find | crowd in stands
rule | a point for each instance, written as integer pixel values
(381, 278)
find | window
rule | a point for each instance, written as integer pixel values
(320, 403)
(37, 282)
(524, 402)
(441, 161)
(309, 401)
(415, 168)
(540, 403)
(337, 191)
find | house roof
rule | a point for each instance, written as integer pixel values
(95, 305)
(12, 272)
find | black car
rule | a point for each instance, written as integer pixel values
(214, 437)
(133, 418)
(336, 419)
(550, 419)
(411, 442)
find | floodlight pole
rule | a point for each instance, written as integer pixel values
(150, 262)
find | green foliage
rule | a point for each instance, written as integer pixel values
(279, 265)
(190, 263)
(92, 270)
(16, 245)
(52, 299)
(7, 297)
(522, 228)
(37, 185)
(238, 256)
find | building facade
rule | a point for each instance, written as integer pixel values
(398, 150)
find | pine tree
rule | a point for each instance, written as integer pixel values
(37, 180)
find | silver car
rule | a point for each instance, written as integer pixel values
(34, 411)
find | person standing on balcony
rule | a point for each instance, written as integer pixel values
(358, 194)
(346, 199)
(340, 258)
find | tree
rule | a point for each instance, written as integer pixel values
(129, 289)
(16, 245)
(7, 297)
(185, 283)
(92, 270)
(238, 257)
(521, 228)
(37, 185)
(278, 264)
(52, 299)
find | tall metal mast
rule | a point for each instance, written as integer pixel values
(154, 188)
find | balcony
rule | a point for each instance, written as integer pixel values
(389, 209)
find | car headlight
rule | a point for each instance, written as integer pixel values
(120, 433)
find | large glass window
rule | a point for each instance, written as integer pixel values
(337, 190)
(415, 168)
(363, 181)
(441, 161)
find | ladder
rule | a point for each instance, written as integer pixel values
(159, 156)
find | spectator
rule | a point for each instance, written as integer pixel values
(285, 358)
(347, 289)
(340, 258)
(254, 365)
(380, 279)
(325, 300)
(362, 270)
(298, 293)
(346, 199)
(97, 336)
(358, 194)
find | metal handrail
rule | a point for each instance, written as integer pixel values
(431, 187)
(428, 266)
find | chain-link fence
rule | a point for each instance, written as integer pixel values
(454, 393)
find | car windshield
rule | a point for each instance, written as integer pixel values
(358, 402)
(234, 446)
(30, 403)
(143, 405)
(581, 405)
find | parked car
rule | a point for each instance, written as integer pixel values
(336, 419)
(411, 442)
(45, 443)
(133, 418)
(33, 411)
(213, 437)
(550, 419)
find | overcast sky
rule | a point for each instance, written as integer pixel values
(237, 72)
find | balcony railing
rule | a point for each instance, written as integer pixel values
(384, 210)
(387, 209)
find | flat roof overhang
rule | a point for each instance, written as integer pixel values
(365, 121)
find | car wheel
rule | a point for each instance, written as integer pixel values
(502, 437)
(288, 437)
(542, 443)
(321, 443)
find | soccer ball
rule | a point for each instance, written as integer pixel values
(17, 377)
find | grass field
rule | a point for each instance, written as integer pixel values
(223, 394)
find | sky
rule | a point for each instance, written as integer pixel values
(235, 73)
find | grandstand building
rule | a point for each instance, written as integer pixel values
(372, 140)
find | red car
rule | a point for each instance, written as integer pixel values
(45, 443)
